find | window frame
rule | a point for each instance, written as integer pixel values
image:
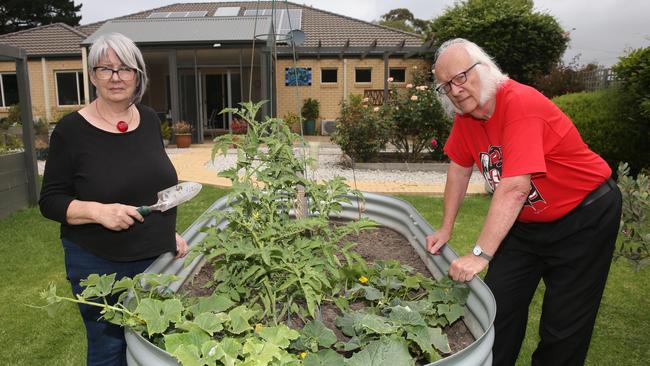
(403, 69)
(79, 82)
(2, 88)
(356, 69)
(336, 69)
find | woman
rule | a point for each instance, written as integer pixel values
(106, 160)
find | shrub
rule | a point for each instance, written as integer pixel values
(564, 79)
(633, 71)
(634, 243)
(165, 130)
(598, 117)
(292, 120)
(361, 132)
(310, 109)
(416, 117)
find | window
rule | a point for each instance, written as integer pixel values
(363, 75)
(398, 75)
(329, 75)
(9, 89)
(70, 88)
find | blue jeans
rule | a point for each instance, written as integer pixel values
(106, 343)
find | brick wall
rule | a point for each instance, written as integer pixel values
(36, 86)
(331, 95)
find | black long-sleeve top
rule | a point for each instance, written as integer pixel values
(89, 164)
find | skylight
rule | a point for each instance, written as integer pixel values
(227, 11)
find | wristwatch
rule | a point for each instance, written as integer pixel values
(478, 251)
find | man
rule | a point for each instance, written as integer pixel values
(554, 214)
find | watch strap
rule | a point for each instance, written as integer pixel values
(481, 253)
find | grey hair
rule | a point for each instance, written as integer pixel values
(489, 73)
(127, 52)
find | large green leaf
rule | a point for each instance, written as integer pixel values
(316, 335)
(158, 314)
(383, 352)
(420, 335)
(214, 304)
(375, 323)
(280, 335)
(406, 316)
(97, 286)
(439, 340)
(206, 322)
(239, 319)
(452, 312)
(228, 350)
(175, 340)
(188, 355)
(324, 357)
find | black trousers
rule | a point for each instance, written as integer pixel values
(572, 256)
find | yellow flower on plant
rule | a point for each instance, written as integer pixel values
(303, 355)
(258, 327)
(414, 97)
(363, 279)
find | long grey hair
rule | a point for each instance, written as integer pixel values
(127, 52)
(489, 73)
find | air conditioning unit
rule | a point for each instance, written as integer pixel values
(327, 126)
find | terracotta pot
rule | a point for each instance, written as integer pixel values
(183, 141)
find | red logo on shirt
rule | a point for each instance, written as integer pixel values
(491, 166)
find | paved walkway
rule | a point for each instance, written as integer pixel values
(193, 164)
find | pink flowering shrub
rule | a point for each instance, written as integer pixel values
(416, 118)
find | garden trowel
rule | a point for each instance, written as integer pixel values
(172, 197)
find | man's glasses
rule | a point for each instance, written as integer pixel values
(457, 80)
(105, 73)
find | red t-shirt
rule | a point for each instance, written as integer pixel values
(528, 134)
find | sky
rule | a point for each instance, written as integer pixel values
(601, 31)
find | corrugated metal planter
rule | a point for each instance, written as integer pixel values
(388, 211)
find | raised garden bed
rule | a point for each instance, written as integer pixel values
(389, 212)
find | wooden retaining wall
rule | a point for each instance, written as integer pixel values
(14, 190)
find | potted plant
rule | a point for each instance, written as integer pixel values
(293, 121)
(310, 112)
(182, 134)
(278, 263)
(165, 132)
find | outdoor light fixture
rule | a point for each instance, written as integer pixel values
(216, 45)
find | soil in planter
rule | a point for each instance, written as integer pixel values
(374, 244)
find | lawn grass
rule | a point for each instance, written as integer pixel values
(622, 328)
(33, 257)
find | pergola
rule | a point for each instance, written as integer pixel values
(19, 172)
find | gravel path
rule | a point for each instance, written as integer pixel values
(329, 166)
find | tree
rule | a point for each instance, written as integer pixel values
(17, 15)
(524, 43)
(403, 19)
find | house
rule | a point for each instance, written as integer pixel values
(203, 57)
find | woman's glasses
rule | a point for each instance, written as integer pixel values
(105, 73)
